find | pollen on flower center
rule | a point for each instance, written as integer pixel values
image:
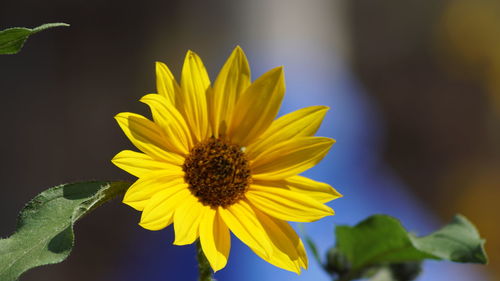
(217, 172)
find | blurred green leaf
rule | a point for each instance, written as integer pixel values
(12, 39)
(377, 239)
(381, 239)
(459, 241)
(44, 232)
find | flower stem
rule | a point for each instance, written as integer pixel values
(203, 265)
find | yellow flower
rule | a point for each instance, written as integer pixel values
(214, 160)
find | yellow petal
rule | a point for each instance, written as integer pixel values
(233, 79)
(288, 250)
(192, 103)
(160, 209)
(139, 193)
(301, 123)
(140, 164)
(286, 205)
(177, 134)
(215, 239)
(242, 221)
(147, 136)
(257, 107)
(290, 158)
(165, 83)
(320, 191)
(301, 250)
(187, 220)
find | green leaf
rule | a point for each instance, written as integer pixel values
(12, 39)
(44, 232)
(377, 239)
(459, 241)
(381, 239)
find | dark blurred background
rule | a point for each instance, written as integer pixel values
(428, 73)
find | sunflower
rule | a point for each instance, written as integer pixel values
(214, 160)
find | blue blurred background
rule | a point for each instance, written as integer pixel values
(413, 88)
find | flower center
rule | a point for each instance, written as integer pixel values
(217, 172)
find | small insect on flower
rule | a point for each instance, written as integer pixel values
(214, 160)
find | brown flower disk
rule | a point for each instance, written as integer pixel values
(217, 172)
